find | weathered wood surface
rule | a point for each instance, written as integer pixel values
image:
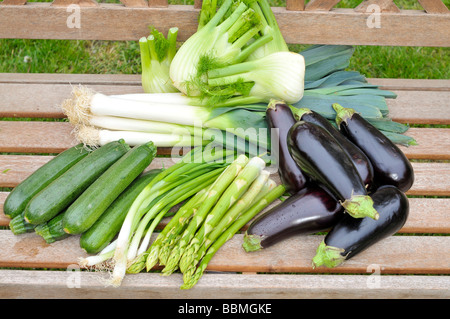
(394, 255)
(430, 178)
(117, 22)
(53, 137)
(89, 285)
(426, 216)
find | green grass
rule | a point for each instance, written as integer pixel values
(122, 57)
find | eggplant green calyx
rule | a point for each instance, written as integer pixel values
(273, 103)
(328, 256)
(342, 113)
(252, 242)
(360, 206)
(298, 114)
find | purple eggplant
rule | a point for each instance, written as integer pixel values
(359, 159)
(351, 236)
(390, 165)
(309, 211)
(280, 118)
(320, 156)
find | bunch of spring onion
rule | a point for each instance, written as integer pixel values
(193, 173)
(210, 218)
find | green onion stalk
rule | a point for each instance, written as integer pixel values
(153, 198)
(230, 232)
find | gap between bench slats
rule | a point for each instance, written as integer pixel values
(43, 100)
(393, 255)
(54, 137)
(54, 285)
(426, 215)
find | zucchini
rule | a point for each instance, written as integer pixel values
(18, 225)
(19, 197)
(99, 235)
(93, 202)
(59, 194)
(52, 230)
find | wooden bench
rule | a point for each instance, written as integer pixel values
(412, 264)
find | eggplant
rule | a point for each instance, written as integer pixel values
(320, 156)
(280, 118)
(390, 165)
(351, 236)
(359, 159)
(311, 210)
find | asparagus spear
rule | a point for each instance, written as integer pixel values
(260, 186)
(231, 231)
(232, 194)
(220, 185)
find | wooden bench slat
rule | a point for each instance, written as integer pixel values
(53, 137)
(430, 178)
(427, 215)
(338, 26)
(394, 255)
(54, 284)
(135, 79)
(44, 100)
(90, 285)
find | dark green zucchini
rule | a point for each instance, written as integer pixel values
(99, 235)
(52, 230)
(93, 202)
(18, 225)
(19, 197)
(59, 194)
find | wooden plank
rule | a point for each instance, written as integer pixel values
(53, 137)
(43, 100)
(90, 285)
(393, 255)
(434, 6)
(13, 2)
(81, 3)
(427, 215)
(321, 5)
(430, 178)
(158, 3)
(338, 26)
(135, 3)
(406, 108)
(135, 80)
(377, 6)
(295, 5)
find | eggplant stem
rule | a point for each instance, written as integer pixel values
(252, 242)
(360, 206)
(328, 256)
